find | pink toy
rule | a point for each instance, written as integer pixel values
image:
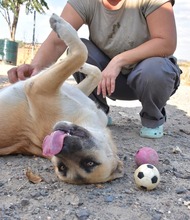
(146, 155)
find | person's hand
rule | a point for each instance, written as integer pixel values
(21, 72)
(109, 75)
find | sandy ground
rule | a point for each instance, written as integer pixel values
(116, 200)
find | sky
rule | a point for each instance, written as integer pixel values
(25, 26)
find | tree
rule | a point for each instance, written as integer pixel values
(10, 10)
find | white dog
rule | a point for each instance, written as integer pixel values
(44, 117)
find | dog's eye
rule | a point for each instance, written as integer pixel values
(63, 169)
(88, 165)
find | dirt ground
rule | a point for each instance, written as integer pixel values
(116, 200)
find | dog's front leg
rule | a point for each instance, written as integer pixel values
(50, 80)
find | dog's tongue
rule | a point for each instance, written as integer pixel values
(53, 143)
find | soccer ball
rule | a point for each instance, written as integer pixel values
(147, 176)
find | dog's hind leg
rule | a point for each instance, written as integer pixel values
(93, 77)
(50, 80)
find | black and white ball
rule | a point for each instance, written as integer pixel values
(147, 176)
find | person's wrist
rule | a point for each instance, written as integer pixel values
(36, 66)
(118, 61)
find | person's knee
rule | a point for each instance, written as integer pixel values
(151, 78)
(152, 71)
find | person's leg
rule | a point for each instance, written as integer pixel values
(154, 80)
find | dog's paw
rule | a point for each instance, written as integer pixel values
(54, 20)
(63, 29)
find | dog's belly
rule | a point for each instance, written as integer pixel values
(75, 104)
(74, 95)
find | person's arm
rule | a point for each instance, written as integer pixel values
(53, 47)
(49, 52)
(162, 43)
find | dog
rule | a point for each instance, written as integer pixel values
(47, 117)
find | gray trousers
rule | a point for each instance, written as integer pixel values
(152, 82)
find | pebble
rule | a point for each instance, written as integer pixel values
(25, 202)
(35, 194)
(75, 200)
(109, 198)
(82, 214)
(181, 190)
(157, 216)
(167, 162)
(51, 207)
(187, 197)
(36, 211)
(44, 193)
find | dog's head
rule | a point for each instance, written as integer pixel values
(82, 156)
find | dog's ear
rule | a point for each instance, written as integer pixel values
(118, 172)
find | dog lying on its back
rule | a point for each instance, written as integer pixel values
(44, 117)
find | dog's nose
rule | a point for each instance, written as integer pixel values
(71, 145)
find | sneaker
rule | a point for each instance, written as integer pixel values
(152, 132)
(110, 122)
